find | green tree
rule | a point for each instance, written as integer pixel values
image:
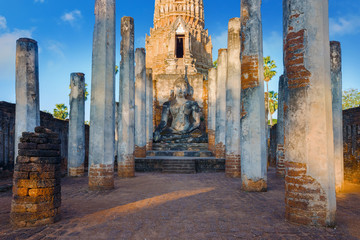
(273, 104)
(61, 111)
(269, 73)
(350, 98)
(215, 64)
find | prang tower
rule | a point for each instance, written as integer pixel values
(178, 38)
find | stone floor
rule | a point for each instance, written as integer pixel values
(195, 206)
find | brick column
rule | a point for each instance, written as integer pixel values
(149, 110)
(27, 88)
(36, 182)
(309, 167)
(233, 100)
(126, 145)
(212, 109)
(220, 133)
(336, 86)
(76, 143)
(102, 111)
(140, 103)
(280, 135)
(253, 132)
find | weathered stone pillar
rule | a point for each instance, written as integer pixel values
(280, 135)
(233, 100)
(220, 133)
(140, 103)
(212, 109)
(126, 145)
(27, 88)
(309, 166)
(336, 86)
(253, 133)
(76, 143)
(149, 110)
(102, 111)
(37, 180)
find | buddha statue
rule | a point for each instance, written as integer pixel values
(181, 116)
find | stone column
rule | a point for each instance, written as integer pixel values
(149, 110)
(220, 133)
(126, 145)
(253, 132)
(76, 143)
(212, 109)
(102, 111)
(336, 86)
(280, 129)
(27, 88)
(309, 166)
(140, 103)
(233, 100)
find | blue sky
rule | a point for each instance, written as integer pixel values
(64, 30)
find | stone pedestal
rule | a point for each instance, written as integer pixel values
(140, 103)
(336, 86)
(233, 101)
(102, 111)
(253, 132)
(280, 129)
(212, 109)
(149, 110)
(126, 144)
(36, 181)
(220, 133)
(310, 168)
(76, 143)
(27, 88)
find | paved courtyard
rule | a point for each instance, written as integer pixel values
(166, 206)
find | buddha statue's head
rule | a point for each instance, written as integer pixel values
(181, 89)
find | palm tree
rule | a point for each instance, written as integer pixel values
(269, 73)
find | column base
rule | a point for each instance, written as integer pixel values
(305, 200)
(233, 166)
(211, 137)
(140, 152)
(249, 185)
(77, 171)
(126, 166)
(101, 177)
(149, 146)
(220, 150)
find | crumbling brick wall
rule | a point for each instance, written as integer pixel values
(351, 135)
(7, 140)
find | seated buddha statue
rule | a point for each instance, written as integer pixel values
(180, 118)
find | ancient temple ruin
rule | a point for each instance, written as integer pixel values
(176, 113)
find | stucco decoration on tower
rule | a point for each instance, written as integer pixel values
(178, 38)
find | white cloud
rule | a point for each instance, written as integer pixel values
(344, 25)
(8, 52)
(56, 48)
(3, 22)
(39, 1)
(71, 17)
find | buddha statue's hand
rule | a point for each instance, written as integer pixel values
(157, 136)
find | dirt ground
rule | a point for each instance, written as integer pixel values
(174, 206)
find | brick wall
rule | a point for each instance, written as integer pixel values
(7, 132)
(351, 128)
